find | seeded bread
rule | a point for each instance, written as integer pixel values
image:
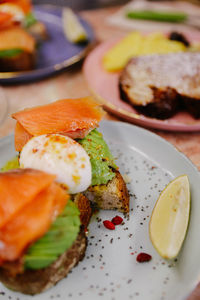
(160, 85)
(113, 195)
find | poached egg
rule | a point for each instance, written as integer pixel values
(59, 155)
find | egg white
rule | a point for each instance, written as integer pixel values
(59, 155)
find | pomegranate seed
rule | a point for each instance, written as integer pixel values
(109, 225)
(117, 220)
(143, 257)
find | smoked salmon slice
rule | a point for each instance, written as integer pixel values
(71, 117)
(5, 19)
(21, 137)
(19, 187)
(15, 37)
(33, 219)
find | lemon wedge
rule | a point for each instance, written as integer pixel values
(170, 217)
(72, 27)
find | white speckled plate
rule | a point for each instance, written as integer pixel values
(110, 270)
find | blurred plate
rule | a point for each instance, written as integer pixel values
(54, 54)
(104, 86)
(109, 269)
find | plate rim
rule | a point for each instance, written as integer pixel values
(156, 136)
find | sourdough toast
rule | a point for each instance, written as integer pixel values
(113, 195)
(84, 206)
(160, 85)
(36, 281)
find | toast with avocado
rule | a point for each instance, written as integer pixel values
(78, 119)
(41, 233)
(20, 32)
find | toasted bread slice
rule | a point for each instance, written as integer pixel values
(84, 207)
(17, 38)
(36, 281)
(159, 85)
(113, 195)
(22, 62)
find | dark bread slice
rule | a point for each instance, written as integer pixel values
(36, 281)
(159, 85)
(192, 106)
(113, 195)
(164, 105)
(84, 207)
(22, 62)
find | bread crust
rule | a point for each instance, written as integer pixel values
(23, 62)
(84, 206)
(113, 195)
(36, 281)
(160, 85)
(165, 104)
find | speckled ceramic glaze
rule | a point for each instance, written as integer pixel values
(110, 270)
(54, 54)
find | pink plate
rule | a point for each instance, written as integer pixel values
(104, 86)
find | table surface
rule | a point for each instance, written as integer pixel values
(72, 84)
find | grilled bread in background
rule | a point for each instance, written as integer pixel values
(17, 50)
(160, 85)
(22, 62)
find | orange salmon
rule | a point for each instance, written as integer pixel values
(5, 19)
(34, 218)
(19, 187)
(71, 117)
(15, 37)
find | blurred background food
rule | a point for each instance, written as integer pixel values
(88, 4)
(82, 4)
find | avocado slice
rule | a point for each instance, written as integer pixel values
(60, 237)
(101, 158)
(10, 53)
